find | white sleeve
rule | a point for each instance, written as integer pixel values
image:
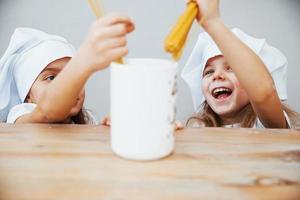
(19, 110)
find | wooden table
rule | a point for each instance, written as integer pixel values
(43, 162)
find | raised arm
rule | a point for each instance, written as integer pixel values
(247, 66)
(105, 43)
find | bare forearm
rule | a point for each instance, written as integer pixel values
(63, 91)
(248, 67)
(105, 41)
(251, 73)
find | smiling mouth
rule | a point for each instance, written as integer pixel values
(221, 93)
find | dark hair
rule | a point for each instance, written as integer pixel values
(208, 118)
(82, 117)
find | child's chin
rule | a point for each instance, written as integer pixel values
(223, 112)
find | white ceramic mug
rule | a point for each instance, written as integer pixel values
(143, 108)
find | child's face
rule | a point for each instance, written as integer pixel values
(221, 88)
(45, 78)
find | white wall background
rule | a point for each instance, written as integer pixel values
(276, 20)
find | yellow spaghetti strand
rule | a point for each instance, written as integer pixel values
(94, 8)
(177, 37)
(98, 11)
(175, 41)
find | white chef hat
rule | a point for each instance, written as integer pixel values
(206, 48)
(28, 53)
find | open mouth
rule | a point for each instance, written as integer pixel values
(221, 92)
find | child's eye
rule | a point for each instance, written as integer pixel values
(50, 78)
(228, 69)
(208, 72)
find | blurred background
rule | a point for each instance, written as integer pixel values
(276, 20)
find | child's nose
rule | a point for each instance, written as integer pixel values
(218, 75)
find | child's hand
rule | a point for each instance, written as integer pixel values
(105, 121)
(178, 125)
(105, 42)
(209, 9)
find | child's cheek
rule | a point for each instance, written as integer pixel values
(237, 84)
(203, 88)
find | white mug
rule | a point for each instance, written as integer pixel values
(143, 108)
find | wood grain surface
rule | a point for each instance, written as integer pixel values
(51, 162)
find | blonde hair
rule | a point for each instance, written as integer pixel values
(208, 118)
